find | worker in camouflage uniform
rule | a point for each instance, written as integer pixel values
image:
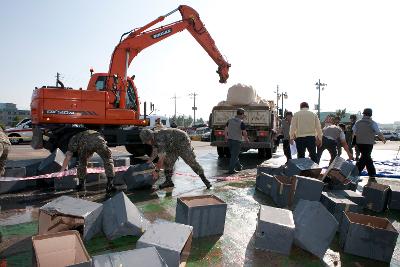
(168, 145)
(83, 145)
(5, 146)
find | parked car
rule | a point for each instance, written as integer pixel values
(206, 137)
(22, 132)
(197, 135)
(393, 136)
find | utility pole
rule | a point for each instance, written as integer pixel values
(174, 97)
(283, 95)
(320, 86)
(277, 99)
(194, 108)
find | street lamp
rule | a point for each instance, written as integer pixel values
(283, 95)
(320, 86)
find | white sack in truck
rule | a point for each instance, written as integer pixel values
(240, 94)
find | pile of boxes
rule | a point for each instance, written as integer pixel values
(318, 215)
(66, 221)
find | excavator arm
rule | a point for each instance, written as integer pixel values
(141, 38)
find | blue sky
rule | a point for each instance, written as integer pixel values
(353, 46)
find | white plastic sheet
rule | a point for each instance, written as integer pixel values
(293, 149)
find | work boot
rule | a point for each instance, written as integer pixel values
(168, 183)
(240, 167)
(205, 181)
(110, 185)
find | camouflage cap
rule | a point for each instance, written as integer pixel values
(146, 135)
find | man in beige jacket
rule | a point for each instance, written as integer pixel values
(305, 129)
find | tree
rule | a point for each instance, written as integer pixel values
(338, 115)
(199, 121)
(16, 120)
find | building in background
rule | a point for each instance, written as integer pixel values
(10, 115)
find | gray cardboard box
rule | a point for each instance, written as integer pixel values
(376, 196)
(172, 241)
(337, 205)
(275, 230)
(11, 184)
(123, 218)
(52, 163)
(139, 176)
(122, 161)
(368, 236)
(315, 227)
(32, 169)
(307, 188)
(270, 168)
(282, 191)
(66, 182)
(353, 196)
(394, 203)
(63, 249)
(343, 171)
(303, 167)
(66, 213)
(15, 172)
(264, 183)
(148, 257)
(205, 213)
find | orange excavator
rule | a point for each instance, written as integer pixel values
(110, 104)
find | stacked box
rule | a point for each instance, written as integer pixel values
(264, 182)
(66, 182)
(307, 188)
(337, 205)
(66, 213)
(282, 191)
(172, 241)
(52, 163)
(32, 169)
(270, 168)
(11, 184)
(376, 196)
(122, 218)
(205, 213)
(315, 227)
(122, 161)
(15, 172)
(139, 176)
(394, 203)
(368, 236)
(275, 230)
(343, 171)
(303, 167)
(148, 257)
(60, 249)
(353, 196)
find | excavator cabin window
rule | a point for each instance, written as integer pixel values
(131, 97)
(101, 83)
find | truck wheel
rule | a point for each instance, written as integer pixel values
(268, 153)
(227, 152)
(220, 151)
(261, 153)
(139, 150)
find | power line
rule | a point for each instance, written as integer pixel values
(194, 108)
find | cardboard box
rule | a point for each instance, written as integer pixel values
(394, 203)
(60, 250)
(315, 227)
(264, 183)
(306, 188)
(368, 236)
(65, 213)
(353, 196)
(148, 257)
(205, 213)
(52, 163)
(122, 161)
(282, 191)
(270, 168)
(303, 167)
(122, 218)
(15, 172)
(337, 205)
(172, 241)
(275, 230)
(139, 176)
(343, 171)
(376, 196)
(11, 184)
(32, 169)
(66, 182)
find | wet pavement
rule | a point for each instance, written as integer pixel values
(19, 213)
